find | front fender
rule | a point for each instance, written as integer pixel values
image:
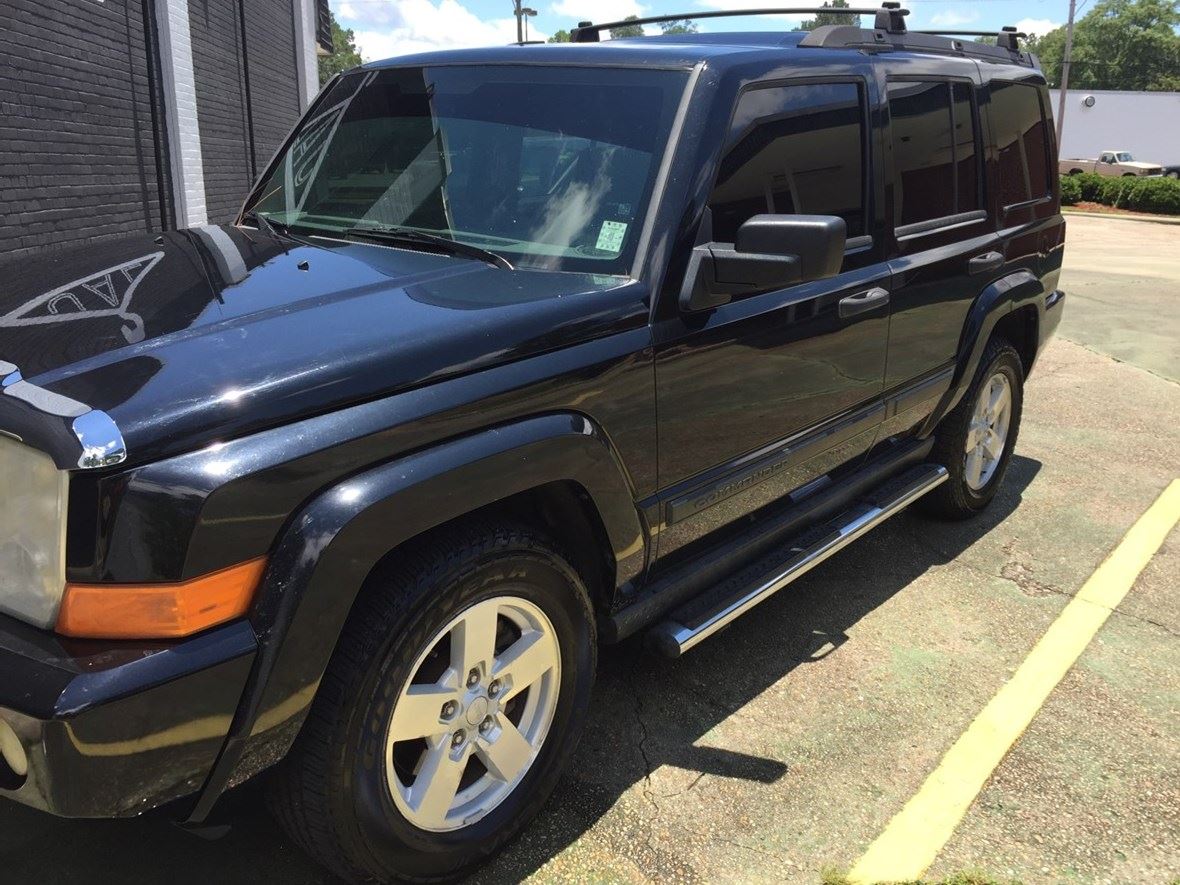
(330, 546)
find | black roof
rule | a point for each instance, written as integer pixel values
(823, 45)
(683, 50)
(686, 50)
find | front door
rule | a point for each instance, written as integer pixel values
(760, 396)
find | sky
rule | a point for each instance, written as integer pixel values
(387, 28)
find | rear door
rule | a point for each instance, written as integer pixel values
(943, 239)
(764, 394)
(1027, 195)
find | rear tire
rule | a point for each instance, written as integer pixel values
(975, 441)
(512, 699)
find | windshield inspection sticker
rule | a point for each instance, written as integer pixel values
(610, 237)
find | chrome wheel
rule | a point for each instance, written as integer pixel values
(470, 721)
(987, 434)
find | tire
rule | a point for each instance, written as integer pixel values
(967, 492)
(345, 793)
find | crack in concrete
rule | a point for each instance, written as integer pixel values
(1167, 629)
(1019, 574)
(1119, 360)
(644, 734)
(696, 780)
(715, 837)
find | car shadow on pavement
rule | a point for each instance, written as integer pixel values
(625, 739)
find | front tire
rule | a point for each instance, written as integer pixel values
(459, 687)
(975, 441)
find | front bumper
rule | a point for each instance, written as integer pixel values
(112, 729)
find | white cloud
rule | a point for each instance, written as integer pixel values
(1038, 26)
(953, 19)
(731, 5)
(403, 27)
(598, 10)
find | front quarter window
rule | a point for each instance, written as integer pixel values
(551, 167)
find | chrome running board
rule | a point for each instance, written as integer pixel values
(694, 622)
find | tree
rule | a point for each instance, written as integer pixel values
(344, 53)
(679, 26)
(831, 18)
(1119, 44)
(562, 36)
(627, 30)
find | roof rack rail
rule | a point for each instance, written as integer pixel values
(1006, 38)
(888, 17)
(1006, 48)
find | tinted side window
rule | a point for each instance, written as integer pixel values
(923, 155)
(935, 150)
(1021, 129)
(966, 153)
(799, 150)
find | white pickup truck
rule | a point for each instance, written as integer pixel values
(1111, 163)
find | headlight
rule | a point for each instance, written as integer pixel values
(32, 533)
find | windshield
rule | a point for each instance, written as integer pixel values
(1124, 157)
(550, 167)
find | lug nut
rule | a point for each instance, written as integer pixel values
(457, 738)
(473, 677)
(486, 725)
(494, 688)
(449, 709)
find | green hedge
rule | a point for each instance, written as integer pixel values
(1158, 195)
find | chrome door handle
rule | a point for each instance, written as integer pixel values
(988, 262)
(863, 301)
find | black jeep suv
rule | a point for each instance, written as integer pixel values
(512, 353)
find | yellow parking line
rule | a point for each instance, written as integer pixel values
(912, 840)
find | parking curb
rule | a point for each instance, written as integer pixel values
(1157, 219)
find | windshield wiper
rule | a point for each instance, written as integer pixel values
(428, 242)
(266, 224)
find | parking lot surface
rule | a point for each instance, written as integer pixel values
(782, 747)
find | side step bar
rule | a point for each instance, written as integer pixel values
(694, 621)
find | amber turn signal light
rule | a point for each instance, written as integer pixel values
(159, 611)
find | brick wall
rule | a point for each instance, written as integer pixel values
(240, 96)
(221, 104)
(274, 73)
(95, 122)
(78, 141)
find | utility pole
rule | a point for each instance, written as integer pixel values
(516, 6)
(1065, 61)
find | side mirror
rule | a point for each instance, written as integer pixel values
(769, 252)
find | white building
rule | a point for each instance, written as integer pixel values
(1145, 123)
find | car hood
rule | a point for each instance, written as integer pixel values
(1137, 164)
(215, 331)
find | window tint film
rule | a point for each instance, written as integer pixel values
(935, 151)
(923, 155)
(966, 154)
(1021, 142)
(799, 150)
(552, 167)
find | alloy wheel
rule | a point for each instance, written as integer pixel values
(987, 434)
(470, 721)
